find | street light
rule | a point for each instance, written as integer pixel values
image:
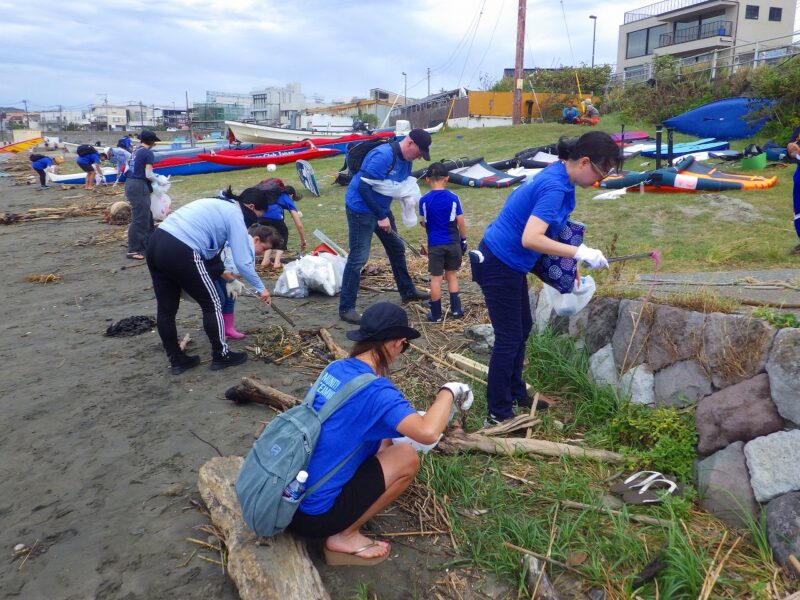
(405, 88)
(594, 33)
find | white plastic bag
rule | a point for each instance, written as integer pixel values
(160, 202)
(321, 273)
(407, 191)
(419, 447)
(566, 305)
(290, 284)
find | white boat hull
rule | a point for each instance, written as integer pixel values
(260, 134)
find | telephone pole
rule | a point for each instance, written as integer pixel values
(141, 114)
(429, 81)
(27, 119)
(60, 117)
(516, 115)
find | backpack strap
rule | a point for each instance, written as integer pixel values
(395, 151)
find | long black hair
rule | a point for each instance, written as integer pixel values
(598, 146)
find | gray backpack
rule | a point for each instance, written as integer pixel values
(280, 453)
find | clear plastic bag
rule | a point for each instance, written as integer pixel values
(571, 303)
(407, 191)
(321, 273)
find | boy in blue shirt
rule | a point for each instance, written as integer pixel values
(90, 164)
(570, 114)
(443, 218)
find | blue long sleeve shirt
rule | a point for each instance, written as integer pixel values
(206, 224)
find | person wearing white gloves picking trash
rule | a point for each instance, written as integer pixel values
(357, 438)
(513, 243)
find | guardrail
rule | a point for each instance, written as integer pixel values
(652, 10)
(698, 32)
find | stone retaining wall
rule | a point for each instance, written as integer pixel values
(742, 374)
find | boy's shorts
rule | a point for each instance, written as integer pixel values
(444, 257)
(86, 168)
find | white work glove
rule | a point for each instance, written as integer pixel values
(462, 396)
(234, 288)
(591, 256)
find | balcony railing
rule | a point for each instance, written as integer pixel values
(659, 8)
(699, 32)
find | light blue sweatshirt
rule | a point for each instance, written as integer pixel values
(206, 224)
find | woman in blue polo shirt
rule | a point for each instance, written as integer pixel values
(513, 243)
(40, 163)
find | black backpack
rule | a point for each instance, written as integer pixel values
(357, 152)
(35, 157)
(85, 150)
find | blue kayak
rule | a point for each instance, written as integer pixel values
(727, 119)
(704, 145)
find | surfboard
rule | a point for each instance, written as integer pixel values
(306, 174)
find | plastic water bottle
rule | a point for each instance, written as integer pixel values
(294, 491)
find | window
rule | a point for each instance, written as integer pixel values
(637, 44)
(653, 37)
(751, 12)
(775, 13)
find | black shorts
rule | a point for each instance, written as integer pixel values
(444, 257)
(280, 226)
(358, 494)
(86, 168)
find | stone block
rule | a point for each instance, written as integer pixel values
(772, 461)
(783, 367)
(595, 324)
(740, 412)
(482, 336)
(723, 483)
(630, 336)
(735, 347)
(681, 384)
(638, 383)
(676, 335)
(602, 368)
(783, 526)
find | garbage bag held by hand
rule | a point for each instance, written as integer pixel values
(558, 271)
(160, 205)
(566, 305)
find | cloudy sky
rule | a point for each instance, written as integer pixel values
(77, 53)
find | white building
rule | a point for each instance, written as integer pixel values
(278, 105)
(54, 120)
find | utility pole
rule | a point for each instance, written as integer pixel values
(27, 120)
(189, 120)
(429, 81)
(516, 115)
(60, 117)
(594, 34)
(405, 88)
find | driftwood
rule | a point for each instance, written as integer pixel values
(537, 581)
(278, 570)
(518, 422)
(475, 368)
(184, 342)
(457, 439)
(251, 389)
(333, 347)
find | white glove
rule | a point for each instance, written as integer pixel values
(591, 256)
(462, 396)
(234, 288)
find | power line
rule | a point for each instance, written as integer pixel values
(489, 45)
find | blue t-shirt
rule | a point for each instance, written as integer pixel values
(550, 197)
(89, 159)
(126, 143)
(142, 158)
(569, 114)
(275, 211)
(42, 163)
(377, 165)
(367, 418)
(440, 208)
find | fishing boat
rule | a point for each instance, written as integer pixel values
(261, 134)
(109, 173)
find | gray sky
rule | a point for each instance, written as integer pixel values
(75, 53)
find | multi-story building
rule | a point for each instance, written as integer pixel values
(278, 105)
(109, 117)
(726, 32)
(61, 120)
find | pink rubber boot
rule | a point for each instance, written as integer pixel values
(230, 330)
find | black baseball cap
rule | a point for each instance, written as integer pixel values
(148, 136)
(383, 321)
(423, 140)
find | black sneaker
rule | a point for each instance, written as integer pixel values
(183, 362)
(527, 404)
(416, 295)
(231, 359)
(491, 421)
(350, 316)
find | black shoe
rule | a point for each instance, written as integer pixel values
(492, 420)
(416, 295)
(527, 404)
(350, 316)
(183, 362)
(231, 359)
(795, 250)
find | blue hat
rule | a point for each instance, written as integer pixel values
(383, 321)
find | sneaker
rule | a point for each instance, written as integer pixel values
(527, 404)
(457, 314)
(414, 296)
(350, 316)
(183, 362)
(231, 359)
(491, 421)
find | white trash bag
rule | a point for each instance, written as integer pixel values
(566, 305)
(160, 202)
(290, 284)
(321, 273)
(419, 447)
(406, 191)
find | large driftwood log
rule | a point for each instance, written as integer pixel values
(277, 571)
(456, 438)
(251, 389)
(333, 347)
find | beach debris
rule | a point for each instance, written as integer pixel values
(130, 326)
(119, 213)
(537, 580)
(43, 278)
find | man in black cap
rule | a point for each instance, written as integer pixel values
(138, 188)
(369, 212)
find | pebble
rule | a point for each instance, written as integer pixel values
(287, 381)
(20, 547)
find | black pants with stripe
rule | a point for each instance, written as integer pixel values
(174, 266)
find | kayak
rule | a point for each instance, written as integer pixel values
(270, 159)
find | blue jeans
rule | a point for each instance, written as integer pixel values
(227, 302)
(506, 293)
(361, 227)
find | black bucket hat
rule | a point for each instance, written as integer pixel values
(383, 321)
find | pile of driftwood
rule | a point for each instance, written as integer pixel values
(312, 349)
(93, 208)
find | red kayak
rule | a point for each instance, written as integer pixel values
(273, 159)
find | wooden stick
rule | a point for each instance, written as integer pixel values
(332, 346)
(184, 342)
(535, 401)
(254, 390)
(795, 563)
(518, 422)
(459, 439)
(447, 364)
(544, 558)
(640, 518)
(413, 533)
(476, 368)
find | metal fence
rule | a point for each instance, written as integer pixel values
(651, 10)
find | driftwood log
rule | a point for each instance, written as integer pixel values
(251, 389)
(333, 347)
(458, 439)
(279, 570)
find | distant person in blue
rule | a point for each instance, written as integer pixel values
(360, 434)
(120, 158)
(90, 164)
(443, 219)
(524, 230)
(184, 253)
(40, 164)
(570, 114)
(126, 143)
(138, 187)
(274, 217)
(793, 150)
(369, 212)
